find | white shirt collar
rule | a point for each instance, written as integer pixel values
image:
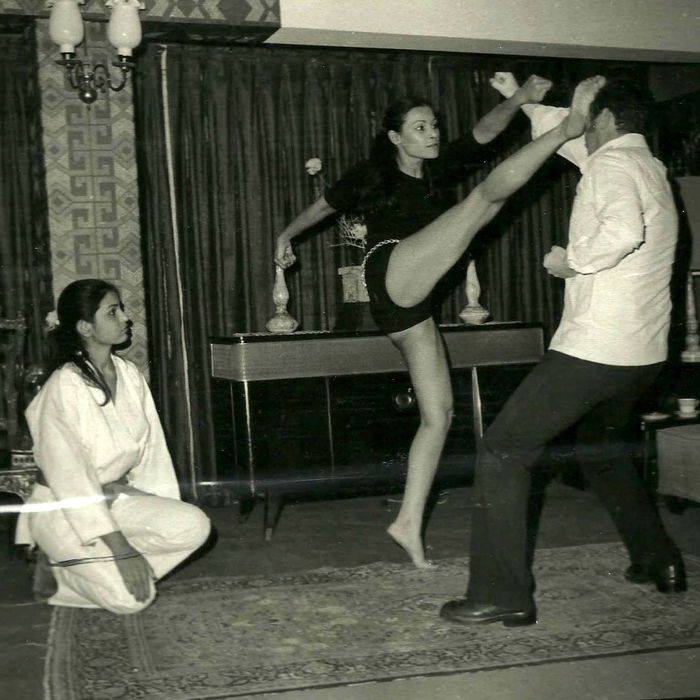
(624, 141)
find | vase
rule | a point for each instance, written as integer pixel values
(354, 290)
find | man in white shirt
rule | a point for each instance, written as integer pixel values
(609, 347)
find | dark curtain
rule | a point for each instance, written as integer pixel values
(25, 257)
(678, 134)
(677, 141)
(245, 120)
(171, 330)
(241, 123)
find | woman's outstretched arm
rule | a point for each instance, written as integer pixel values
(492, 124)
(319, 210)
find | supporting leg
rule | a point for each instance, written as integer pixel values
(554, 396)
(422, 348)
(607, 461)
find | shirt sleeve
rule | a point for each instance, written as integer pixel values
(155, 472)
(544, 118)
(344, 195)
(619, 222)
(466, 153)
(60, 453)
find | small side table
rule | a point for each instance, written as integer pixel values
(19, 479)
(650, 423)
(21, 475)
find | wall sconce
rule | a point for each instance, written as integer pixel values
(67, 31)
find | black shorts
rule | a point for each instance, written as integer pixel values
(389, 317)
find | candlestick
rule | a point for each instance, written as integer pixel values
(692, 340)
(282, 321)
(473, 313)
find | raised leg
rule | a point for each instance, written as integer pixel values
(419, 261)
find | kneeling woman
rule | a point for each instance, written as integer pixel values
(106, 510)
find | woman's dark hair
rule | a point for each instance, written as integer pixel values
(380, 187)
(628, 102)
(79, 301)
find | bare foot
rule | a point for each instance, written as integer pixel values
(413, 547)
(584, 94)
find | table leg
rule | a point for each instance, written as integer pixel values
(245, 508)
(274, 503)
(476, 405)
(646, 463)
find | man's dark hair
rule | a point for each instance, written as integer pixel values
(629, 103)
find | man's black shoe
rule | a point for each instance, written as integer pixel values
(637, 573)
(668, 579)
(465, 612)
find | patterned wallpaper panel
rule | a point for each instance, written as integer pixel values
(91, 182)
(90, 152)
(226, 12)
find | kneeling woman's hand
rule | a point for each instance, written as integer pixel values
(137, 574)
(133, 566)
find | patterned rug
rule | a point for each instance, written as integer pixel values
(224, 637)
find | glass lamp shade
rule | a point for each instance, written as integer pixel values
(124, 28)
(65, 24)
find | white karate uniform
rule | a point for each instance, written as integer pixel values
(79, 445)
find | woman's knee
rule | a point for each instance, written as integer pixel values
(170, 523)
(438, 417)
(203, 528)
(194, 527)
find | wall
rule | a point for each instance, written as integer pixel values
(650, 30)
(91, 182)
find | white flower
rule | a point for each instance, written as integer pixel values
(359, 232)
(313, 166)
(51, 320)
(353, 230)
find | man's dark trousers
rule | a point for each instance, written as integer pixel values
(560, 392)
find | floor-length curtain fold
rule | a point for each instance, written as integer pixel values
(25, 256)
(243, 121)
(175, 329)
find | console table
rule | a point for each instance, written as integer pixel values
(332, 411)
